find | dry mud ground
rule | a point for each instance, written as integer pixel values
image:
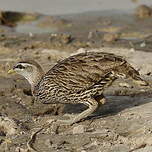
(123, 124)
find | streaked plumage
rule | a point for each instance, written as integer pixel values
(81, 79)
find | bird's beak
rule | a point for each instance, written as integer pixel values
(11, 71)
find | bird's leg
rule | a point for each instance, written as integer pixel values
(91, 103)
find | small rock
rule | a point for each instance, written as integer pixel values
(132, 50)
(143, 11)
(66, 38)
(90, 35)
(110, 37)
(111, 29)
(31, 34)
(8, 126)
(143, 44)
(62, 38)
(124, 85)
(79, 129)
(18, 149)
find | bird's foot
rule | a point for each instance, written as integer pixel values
(69, 121)
(65, 122)
(70, 116)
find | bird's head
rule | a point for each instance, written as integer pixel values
(29, 69)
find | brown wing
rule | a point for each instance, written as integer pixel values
(81, 71)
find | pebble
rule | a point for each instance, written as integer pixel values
(19, 149)
(143, 11)
(109, 37)
(9, 126)
(143, 44)
(79, 129)
(132, 50)
(124, 85)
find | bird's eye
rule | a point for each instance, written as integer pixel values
(19, 66)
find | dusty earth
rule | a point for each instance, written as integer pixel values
(123, 124)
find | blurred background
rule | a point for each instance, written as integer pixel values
(56, 7)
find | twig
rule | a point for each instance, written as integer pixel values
(32, 140)
(33, 137)
(139, 147)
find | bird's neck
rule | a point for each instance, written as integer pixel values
(35, 78)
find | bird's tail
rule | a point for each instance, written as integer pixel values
(128, 71)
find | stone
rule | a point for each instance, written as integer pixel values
(79, 129)
(109, 37)
(143, 11)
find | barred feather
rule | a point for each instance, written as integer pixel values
(84, 75)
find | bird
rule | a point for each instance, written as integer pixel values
(80, 78)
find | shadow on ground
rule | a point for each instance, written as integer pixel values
(113, 106)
